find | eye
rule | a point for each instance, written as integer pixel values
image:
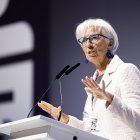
(94, 38)
(82, 40)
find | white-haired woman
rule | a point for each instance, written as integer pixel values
(113, 92)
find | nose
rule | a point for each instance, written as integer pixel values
(89, 45)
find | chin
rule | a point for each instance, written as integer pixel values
(92, 60)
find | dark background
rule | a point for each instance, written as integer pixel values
(64, 16)
(54, 23)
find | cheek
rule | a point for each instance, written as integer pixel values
(102, 48)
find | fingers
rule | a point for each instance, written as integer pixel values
(91, 85)
(53, 111)
(45, 106)
(94, 82)
(89, 82)
(89, 90)
(59, 108)
(85, 82)
(93, 88)
(103, 85)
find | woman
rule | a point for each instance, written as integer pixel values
(113, 93)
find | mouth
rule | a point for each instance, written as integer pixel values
(92, 53)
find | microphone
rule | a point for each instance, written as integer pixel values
(59, 75)
(61, 97)
(72, 68)
(62, 72)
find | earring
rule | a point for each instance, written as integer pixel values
(86, 61)
(109, 54)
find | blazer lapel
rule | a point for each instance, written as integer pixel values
(112, 67)
(107, 79)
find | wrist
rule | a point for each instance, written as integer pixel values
(110, 99)
(59, 116)
(64, 118)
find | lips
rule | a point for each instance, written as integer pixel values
(91, 53)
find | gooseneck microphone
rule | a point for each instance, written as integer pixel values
(65, 71)
(62, 72)
(59, 75)
(60, 89)
(72, 68)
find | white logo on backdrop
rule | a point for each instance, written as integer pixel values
(3, 6)
(15, 39)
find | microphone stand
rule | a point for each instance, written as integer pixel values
(58, 76)
(61, 97)
(65, 71)
(41, 97)
(60, 89)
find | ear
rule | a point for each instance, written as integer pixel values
(111, 43)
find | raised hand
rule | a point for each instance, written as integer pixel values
(92, 87)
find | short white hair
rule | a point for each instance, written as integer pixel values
(106, 29)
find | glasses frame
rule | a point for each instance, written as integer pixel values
(89, 38)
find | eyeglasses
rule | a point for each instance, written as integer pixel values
(92, 39)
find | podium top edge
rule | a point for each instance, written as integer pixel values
(21, 120)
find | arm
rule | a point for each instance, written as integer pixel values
(54, 112)
(127, 108)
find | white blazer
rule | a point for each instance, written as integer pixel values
(121, 120)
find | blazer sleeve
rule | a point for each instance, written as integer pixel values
(74, 122)
(127, 107)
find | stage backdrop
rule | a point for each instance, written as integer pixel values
(24, 56)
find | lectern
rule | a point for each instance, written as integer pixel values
(44, 128)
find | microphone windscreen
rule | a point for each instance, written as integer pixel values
(72, 68)
(62, 72)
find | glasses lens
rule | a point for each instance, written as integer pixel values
(94, 38)
(82, 41)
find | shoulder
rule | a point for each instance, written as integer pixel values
(128, 67)
(128, 70)
(119, 64)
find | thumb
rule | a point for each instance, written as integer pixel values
(59, 108)
(103, 85)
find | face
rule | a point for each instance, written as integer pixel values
(96, 52)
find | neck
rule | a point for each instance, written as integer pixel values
(102, 66)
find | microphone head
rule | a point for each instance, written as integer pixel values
(72, 68)
(62, 72)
